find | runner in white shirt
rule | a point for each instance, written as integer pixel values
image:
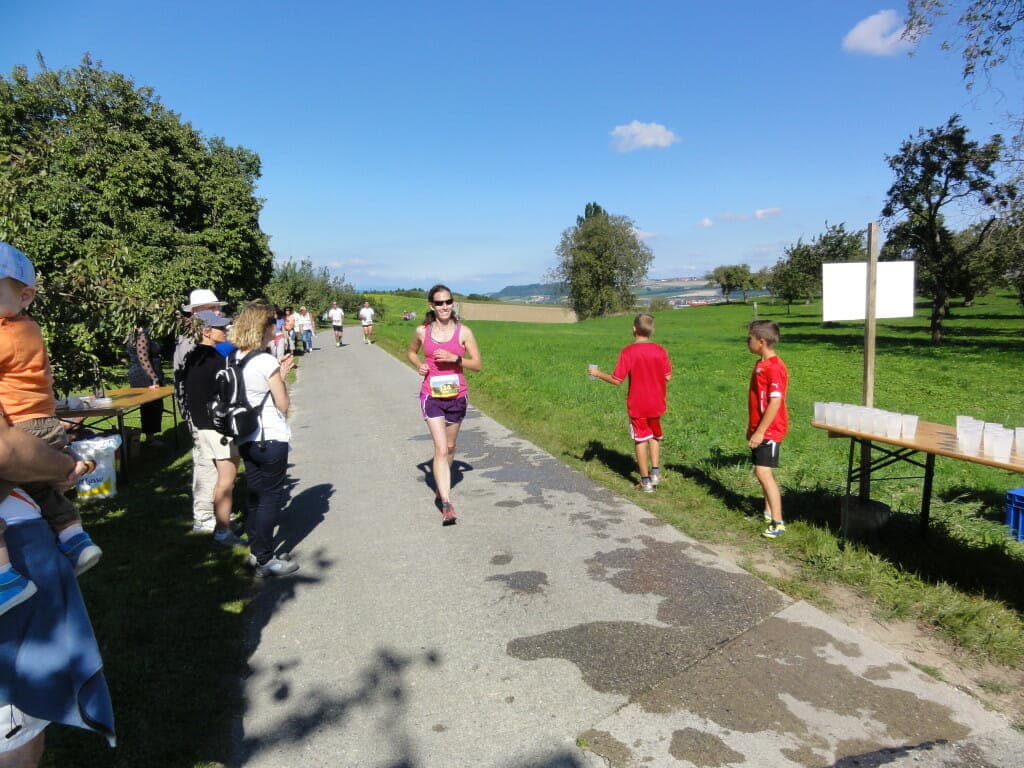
(337, 317)
(366, 318)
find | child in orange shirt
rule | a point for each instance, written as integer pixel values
(27, 401)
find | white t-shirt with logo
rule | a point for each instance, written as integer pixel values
(366, 315)
(257, 373)
(336, 315)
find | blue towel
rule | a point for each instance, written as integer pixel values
(50, 665)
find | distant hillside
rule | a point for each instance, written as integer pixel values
(534, 293)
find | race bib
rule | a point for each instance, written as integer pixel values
(444, 387)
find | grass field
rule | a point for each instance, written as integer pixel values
(966, 579)
(169, 609)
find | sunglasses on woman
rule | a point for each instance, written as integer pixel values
(446, 303)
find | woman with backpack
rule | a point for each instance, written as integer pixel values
(265, 451)
(197, 383)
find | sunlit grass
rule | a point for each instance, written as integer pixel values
(966, 578)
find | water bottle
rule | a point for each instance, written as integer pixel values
(97, 382)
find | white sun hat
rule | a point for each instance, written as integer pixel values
(201, 297)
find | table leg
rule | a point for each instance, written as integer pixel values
(844, 512)
(124, 447)
(926, 494)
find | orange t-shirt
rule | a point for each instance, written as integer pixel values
(26, 381)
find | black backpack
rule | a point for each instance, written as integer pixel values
(229, 409)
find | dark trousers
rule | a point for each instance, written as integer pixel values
(266, 464)
(152, 416)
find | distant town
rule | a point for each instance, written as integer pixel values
(679, 292)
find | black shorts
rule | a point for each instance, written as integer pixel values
(339, 328)
(766, 454)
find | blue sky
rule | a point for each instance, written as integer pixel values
(409, 143)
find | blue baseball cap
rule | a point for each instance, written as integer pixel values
(15, 264)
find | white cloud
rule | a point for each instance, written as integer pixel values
(643, 234)
(706, 223)
(639, 135)
(732, 216)
(877, 35)
(767, 213)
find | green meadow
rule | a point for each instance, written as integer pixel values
(965, 578)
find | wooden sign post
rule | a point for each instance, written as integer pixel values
(864, 490)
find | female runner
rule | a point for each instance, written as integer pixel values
(449, 348)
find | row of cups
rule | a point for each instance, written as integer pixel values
(987, 438)
(861, 418)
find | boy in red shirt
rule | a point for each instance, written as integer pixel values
(768, 421)
(648, 369)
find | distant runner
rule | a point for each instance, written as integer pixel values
(366, 318)
(337, 317)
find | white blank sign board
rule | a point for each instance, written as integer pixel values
(844, 289)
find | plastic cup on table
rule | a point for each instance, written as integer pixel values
(893, 423)
(831, 409)
(592, 367)
(968, 439)
(988, 433)
(1018, 439)
(877, 421)
(1002, 442)
(819, 412)
(908, 425)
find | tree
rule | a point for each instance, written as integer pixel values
(601, 260)
(790, 283)
(731, 278)
(939, 168)
(123, 209)
(990, 29)
(300, 284)
(1006, 249)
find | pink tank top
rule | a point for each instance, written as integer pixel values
(443, 380)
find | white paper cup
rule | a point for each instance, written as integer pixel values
(819, 412)
(908, 425)
(968, 439)
(892, 425)
(877, 421)
(1002, 441)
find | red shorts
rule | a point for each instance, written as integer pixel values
(642, 428)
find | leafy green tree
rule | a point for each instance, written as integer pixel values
(1004, 250)
(601, 260)
(789, 283)
(991, 30)
(939, 168)
(122, 207)
(731, 278)
(301, 284)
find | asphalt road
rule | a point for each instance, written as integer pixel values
(557, 625)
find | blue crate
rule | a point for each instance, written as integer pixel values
(1015, 513)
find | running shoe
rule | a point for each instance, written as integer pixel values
(275, 566)
(228, 538)
(655, 477)
(646, 485)
(82, 551)
(447, 513)
(15, 589)
(767, 516)
(775, 530)
(286, 556)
